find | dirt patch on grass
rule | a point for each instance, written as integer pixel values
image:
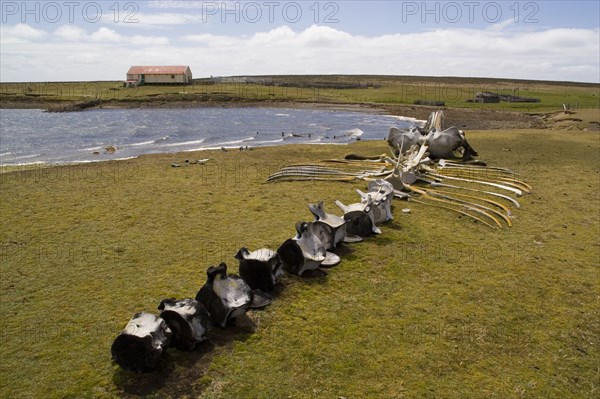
(581, 119)
(469, 118)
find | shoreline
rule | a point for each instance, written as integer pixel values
(181, 156)
(464, 118)
(470, 119)
(161, 103)
(11, 163)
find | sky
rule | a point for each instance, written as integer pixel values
(99, 40)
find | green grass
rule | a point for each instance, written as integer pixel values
(437, 306)
(387, 90)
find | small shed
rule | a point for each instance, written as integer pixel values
(487, 97)
(180, 74)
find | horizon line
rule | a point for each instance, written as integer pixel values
(335, 74)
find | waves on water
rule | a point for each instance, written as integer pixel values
(354, 132)
(34, 136)
(234, 142)
(143, 143)
(18, 157)
(98, 148)
(408, 120)
(192, 142)
(162, 139)
(271, 141)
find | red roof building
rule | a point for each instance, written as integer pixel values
(179, 74)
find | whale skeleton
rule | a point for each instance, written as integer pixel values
(469, 187)
(442, 143)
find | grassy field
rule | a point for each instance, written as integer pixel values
(436, 307)
(375, 89)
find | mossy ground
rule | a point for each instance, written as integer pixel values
(437, 306)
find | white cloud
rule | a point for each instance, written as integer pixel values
(20, 33)
(280, 35)
(324, 36)
(502, 25)
(551, 54)
(104, 35)
(70, 33)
